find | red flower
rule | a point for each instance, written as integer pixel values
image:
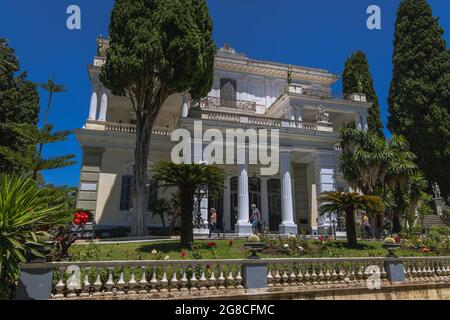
(321, 238)
(183, 254)
(211, 244)
(397, 239)
(76, 221)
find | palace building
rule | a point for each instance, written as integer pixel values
(247, 94)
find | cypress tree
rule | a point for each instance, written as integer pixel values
(419, 97)
(157, 48)
(356, 78)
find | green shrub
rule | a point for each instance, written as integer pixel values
(23, 210)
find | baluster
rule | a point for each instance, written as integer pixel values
(73, 284)
(270, 280)
(300, 278)
(121, 283)
(174, 281)
(86, 284)
(109, 285)
(321, 275)
(314, 276)
(132, 284)
(384, 273)
(221, 279)
(285, 276)
(277, 277)
(184, 281)
(143, 283)
(327, 276)
(239, 279)
(193, 281)
(212, 281)
(292, 278)
(203, 281)
(230, 279)
(154, 283)
(341, 275)
(60, 286)
(306, 276)
(334, 275)
(164, 282)
(98, 285)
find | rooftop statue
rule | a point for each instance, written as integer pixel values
(322, 116)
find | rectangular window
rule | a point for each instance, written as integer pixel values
(228, 95)
(125, 196)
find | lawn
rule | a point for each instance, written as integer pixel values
(224, 249)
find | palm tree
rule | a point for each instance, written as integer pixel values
(416, 186)
(190, 179)
(401, 168)
(347, 203)
(162, 208)
(23, 208)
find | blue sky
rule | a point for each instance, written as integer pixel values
(314, 33)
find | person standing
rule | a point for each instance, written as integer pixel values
(366, 225)
(255, 218)
(213, 223)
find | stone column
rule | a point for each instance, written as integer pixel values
(325, 166)
(103, 108)
(288, 225)
(185, 107)
(93, 107)
(243, 226)
(204, 205)
(227, 204)
(300, 117)
(265, 200)
(358, 121)
(364, 124)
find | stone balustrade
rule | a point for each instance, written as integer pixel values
(131, 128)
(199, 278)
(262, 121)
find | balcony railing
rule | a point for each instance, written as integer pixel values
(214, 102)
(206, 278)
(131, 128)
(262, 121)
(324, 93)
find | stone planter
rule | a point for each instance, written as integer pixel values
(35, 283)
(254, 247)
(391, 248)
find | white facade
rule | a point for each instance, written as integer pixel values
(246, 94)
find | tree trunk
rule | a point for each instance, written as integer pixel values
(187, 206)
(350, 228)
(140, 177)
(396, 224)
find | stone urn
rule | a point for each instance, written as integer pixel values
(391, 246)
(254, 245)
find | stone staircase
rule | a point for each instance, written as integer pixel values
(434, 221)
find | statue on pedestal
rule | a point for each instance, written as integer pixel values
(436, 191)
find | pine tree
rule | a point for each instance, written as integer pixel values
(19, 104)
(356, 78)
(419, 97)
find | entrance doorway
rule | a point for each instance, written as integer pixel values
(254, 197)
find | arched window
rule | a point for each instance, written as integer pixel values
(228, 93)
